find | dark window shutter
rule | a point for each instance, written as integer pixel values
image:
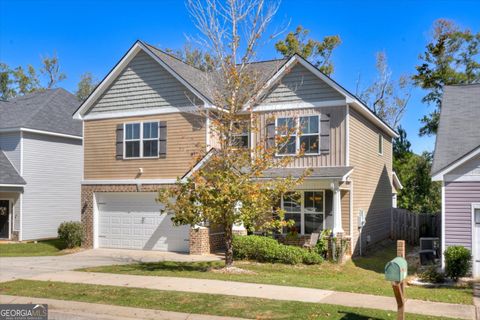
(324, 133)
(270, 133)
(162, 139)
(119, 142)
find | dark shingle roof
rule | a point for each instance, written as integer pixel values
(8, 174)
(458, 132)
(202, 81)
(323, 172)
(48, 110)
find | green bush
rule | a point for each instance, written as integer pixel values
(322, 245)
(457, 262)
(432, 275)
(71, 233)
(264, 249)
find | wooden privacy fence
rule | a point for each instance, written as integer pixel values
(409, 226)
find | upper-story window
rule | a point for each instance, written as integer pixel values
(380, 144)
(287, 127)
(302, 132)
(241, 134)
(141, 140)
(309, 134)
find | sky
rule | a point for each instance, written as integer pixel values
(93, 35)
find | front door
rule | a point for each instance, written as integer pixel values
(476, 254)
(4, 218)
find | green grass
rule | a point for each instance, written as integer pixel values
(362, 275)
(41, 248)
(220, 305)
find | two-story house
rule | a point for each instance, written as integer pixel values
(456, 164)
(40, 164)
(141, 134)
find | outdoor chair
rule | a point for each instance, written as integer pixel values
(313, 240)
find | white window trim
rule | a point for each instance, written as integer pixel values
(302, 208)
(309, 134)
(380, 144)
(245, 134)
(140, 140)
(475, 206)
(297, 135)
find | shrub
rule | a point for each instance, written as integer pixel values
(71, 233)
(322, 245)
(311, 257)
(432, 275)
(264, 249)
(457, 262)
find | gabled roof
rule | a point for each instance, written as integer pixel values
(8, 173)
(47, 110)
(200, 82)
(458, 133)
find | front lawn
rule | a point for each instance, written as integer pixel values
(362, 275)
(41, 248)
(221, 305)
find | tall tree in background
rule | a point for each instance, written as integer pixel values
(194, 57)
(20, 81)
(227, 190)
(51, 69)
(317, 52)
(387, 98)
(6, 82)
(26, 82)
(451, 57)
(86, 85)
(420, 194)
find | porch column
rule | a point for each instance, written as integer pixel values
(337, 209)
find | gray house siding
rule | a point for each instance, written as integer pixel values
(10, 145)
(53, 171)
(144, 84)
(459, 197)
(301, 85)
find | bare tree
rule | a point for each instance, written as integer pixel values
(51, 69)
(387, 98)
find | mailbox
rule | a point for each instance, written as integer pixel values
(396, 270)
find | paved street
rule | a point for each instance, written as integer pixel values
(25, 267)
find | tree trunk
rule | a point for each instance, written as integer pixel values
(228, 246)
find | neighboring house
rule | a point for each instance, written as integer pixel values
(40, 164)
(140, 134)
(457, 164)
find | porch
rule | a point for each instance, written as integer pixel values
(10, 212)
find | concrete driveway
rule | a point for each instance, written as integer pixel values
(25, 267)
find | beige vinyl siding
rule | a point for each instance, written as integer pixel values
(144, 84)
(301, 85)
(185, 136)
(345, 201)
(371, 177)
(336, 156)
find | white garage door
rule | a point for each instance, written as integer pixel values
(133, 221)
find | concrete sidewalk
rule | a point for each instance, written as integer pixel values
(72, 310)
(456, 311)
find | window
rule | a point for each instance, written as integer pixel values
(132, 140)
(287, 127)
(380, 143)
(141, 140)
(150, 139)
(241, 135)
(309, 134)
(302, 133)
(307, 209)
